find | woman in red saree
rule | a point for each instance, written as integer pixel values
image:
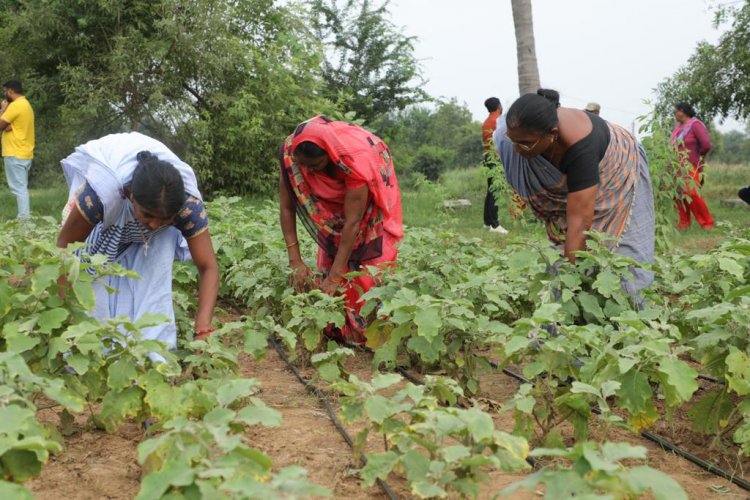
(339, 180)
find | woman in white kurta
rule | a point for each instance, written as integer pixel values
(136, 202)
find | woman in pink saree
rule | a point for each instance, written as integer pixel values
(690, 137)
(339, 180)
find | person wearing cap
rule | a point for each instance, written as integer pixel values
(593, 108)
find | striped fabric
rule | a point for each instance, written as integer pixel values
(112, 241)
(543, 187)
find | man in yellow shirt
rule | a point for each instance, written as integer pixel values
(17, 124)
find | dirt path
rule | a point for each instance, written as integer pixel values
(93, 465)
(696, 481)
(96, 465)
(306, 436)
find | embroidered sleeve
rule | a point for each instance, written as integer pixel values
(89, 204)
(192, 219)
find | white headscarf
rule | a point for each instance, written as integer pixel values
(107, 164)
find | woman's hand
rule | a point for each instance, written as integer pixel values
(302, 278)
(330, 285)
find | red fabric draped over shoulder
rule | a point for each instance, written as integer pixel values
(362, 159)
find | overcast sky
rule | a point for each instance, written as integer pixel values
(613, 52)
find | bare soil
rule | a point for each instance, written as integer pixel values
(96, 465)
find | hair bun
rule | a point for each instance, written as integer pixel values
(144, 155)
(552, 96)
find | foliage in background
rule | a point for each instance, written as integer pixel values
(667, 175)
(733, 147)
(220, 83)
(370, 67)
(428, 140)
(716, 78)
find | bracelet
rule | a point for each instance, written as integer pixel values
(204, 331)
(293, 244)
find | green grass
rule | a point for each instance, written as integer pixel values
(423, 207)
(721, 183)
(44, 201)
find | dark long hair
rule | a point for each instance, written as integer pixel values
(157, 185)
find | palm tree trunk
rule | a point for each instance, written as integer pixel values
(528, 70)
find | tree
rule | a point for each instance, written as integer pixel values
(736, 147)
(716, 78)
(220, 82)
(431, 139)
(370, 66)
(528, 69)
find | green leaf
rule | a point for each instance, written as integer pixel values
(681, 377)
(590, 306)
(232, 390)
(595, 460)
(710, 411)
(120, 406)
(581, 388)
(44, 277)
(259, 415)
(455, 453)
(738, 368)
(52, 319)
(428, 322)
(615, 452)
(57, 391)
(383, 380)
(424, 489)
(20, 465)
(635, 392)
(156, 484)
(121, 374)
(379, 408)
(428, 351)
(546, 313)
(731, 266)
(78, 362)
(643, 478)
(329, 371)
(607, 283)
(516, 343)
(416, 465)
(21, 342)
(84, 292)
(479, 423)
(379, 466)
(14, 491)
(256, 343)
(559, 484)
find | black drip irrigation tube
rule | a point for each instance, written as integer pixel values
(664, 443)
(312, 388)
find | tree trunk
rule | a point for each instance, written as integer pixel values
(528, 70)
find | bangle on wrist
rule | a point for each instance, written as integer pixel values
(202, 332)
(293, 244)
